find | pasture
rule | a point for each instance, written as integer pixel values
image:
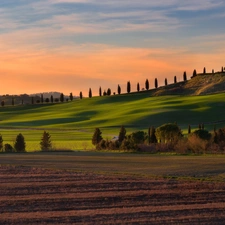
(71, 124)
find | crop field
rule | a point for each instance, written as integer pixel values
(107, 188)
(72, 124)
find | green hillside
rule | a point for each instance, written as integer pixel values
(75, 121)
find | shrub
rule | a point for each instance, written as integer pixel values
(202, 134)
(8, 148)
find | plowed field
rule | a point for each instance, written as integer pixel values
(50, 196)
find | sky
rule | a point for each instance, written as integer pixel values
(73, 45)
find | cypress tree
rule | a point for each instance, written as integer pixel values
(185, 76)
(46, 143)
(122, 134)
(166, 82)
(90, 93)
(119, 89)
(194, 73)
(189, 129)
(146, 84)
(81, 95)
(152, 136)
(1, 143)
(175, 79)
(156, 83)
(61, 98)
(52, 99)
(212, 71)
(138, 87)
(20, 145)
(204, 70)
(222, 69)
(128, 87)
(104, 93)
(97, 136)
(100, 91)
(109, 92)
(71, 96)
(42, 98)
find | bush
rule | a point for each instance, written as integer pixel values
(202, 134)
(8, 148)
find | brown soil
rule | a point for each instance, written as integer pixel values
(42, 196)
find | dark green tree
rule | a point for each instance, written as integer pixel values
(212, 71)
(47, 100)
(204, 70)
(175, 79)
(1, 143)
(97, 137)
(52, 99)
(166, 82)
(90, 93)
(81, 95)
(104, 93)
(185, 76)
(71, 96)
(61, 98)
(147, 84)
(100, 91)
(13, 102)
(2, 103)
(222, 69)
(20, 145)
(8, 148)
(122, 134)
(138, 87)
(119, 89)
(46, 143)
(42, 98)
(109, 92)
(189, 129)
(156, 83)
(151, 135)
(194, 73)
(32, 100)
(128, 87)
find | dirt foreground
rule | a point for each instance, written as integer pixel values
(49, 196)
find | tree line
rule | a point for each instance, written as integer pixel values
(165, 138)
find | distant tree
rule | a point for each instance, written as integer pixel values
(46, 143)
(61, 98)
(128, 87)
(168, 133)
(38, 101)
(109, 92)
(151, 135)
(13, 102)
(2, 103)
(138, 87)
(71, 96)
(22, 102)
(175, 79)
(204, 70)
(185, 76)
(42, 98)
(189, 129)
(104, 93)
(194, 73)
(81, 95)
(166, 82)
(203, 126)
(100, 91)
(8, 148)
(47, 100)
(97, 137)
(202, 134)
(56, 100)
(52, 99)
(1, 143)
(156, 83)
(90, 93)
(222, 69)
(199, 126)
(20, 145)
(119, 89)
(146, 84)
(32, 100)
(122, 134)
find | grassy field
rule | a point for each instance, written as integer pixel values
(72, 124)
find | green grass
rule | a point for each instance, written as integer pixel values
(73, 123)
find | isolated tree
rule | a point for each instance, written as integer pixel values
(1, 143)
(138, 87)
(204, 70)
(71, 96)
(109, 92)
(189, 129)
(151, 135)
(185, 76)
(46, 143)
(81, 95)
(146, 84)
(97, 137)
(100, 91)
(194, 73)
(61, 98)
(128, 87)
(2, 103)
(122, 134)
(42, 99)
(166, 82)
(175, 79)
(90, 93)
(156, 83)
(119, 89)
(52, 99)
(168, 133)
(20, 145)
